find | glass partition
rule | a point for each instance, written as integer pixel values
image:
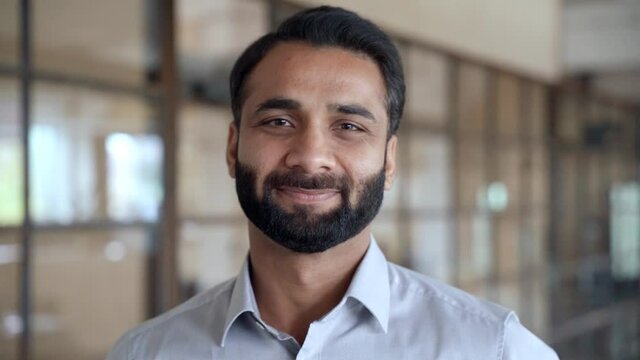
(11, 215)
(95, 43)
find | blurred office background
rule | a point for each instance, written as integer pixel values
(519, 162)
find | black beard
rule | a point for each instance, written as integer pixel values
(302, 230)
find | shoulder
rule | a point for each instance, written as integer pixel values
(423, 290)
(194, 315)
(520, 343)
(218, 295)
(474, 324)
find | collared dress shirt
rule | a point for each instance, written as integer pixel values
(388, 312)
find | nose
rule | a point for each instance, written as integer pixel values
(311, 150)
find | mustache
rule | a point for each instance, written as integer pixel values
(300, 179)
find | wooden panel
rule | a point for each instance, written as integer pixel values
(80, 278)
(427, 88)
(470, 174)
(472, 100)
(430, 183)
(508, 111)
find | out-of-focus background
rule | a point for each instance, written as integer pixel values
(519, 162)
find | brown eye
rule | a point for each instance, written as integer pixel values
(279, 122)
(349, 127)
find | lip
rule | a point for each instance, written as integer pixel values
(307, 196)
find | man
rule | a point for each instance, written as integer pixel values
(312, 148)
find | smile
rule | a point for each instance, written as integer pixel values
(307, 196)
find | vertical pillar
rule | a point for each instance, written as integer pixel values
(554, 201)
(454, 215)
(26, 229)
(168, 290)
(491, 149)
(525, 208)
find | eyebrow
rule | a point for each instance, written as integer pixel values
(278, 104)
(353, 109)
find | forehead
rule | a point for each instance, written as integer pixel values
(299, 70)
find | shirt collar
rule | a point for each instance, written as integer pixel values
(369, 286)
(242, 300)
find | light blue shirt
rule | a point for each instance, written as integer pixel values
(388, 312)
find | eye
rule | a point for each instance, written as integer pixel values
(279, 122)
(349, 127)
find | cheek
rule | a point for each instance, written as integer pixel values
(260, 186)
(261, 171)
(259, 165)
(361, 173)
(363, 165)
(257, 153)
(248, 154)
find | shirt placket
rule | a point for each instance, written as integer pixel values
(285, 339)
(318, 334)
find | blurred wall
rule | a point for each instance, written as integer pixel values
(602, 35)
(518, 34)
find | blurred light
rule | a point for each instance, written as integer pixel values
(134, 164)
(42, 323)
(8, 254)
(625, 231)
(497, 197)
(12, 324)
(121, 145)
(115, 251)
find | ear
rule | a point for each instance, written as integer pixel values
(390, 166)
(232, 149)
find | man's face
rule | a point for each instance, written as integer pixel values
(311, 158)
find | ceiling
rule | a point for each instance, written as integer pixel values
(601, 42)
(600, 39)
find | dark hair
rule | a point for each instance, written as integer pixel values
(328, 26)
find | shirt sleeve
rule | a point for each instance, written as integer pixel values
(120, 351)
(520, 344)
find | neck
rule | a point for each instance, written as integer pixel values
(294, 289)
